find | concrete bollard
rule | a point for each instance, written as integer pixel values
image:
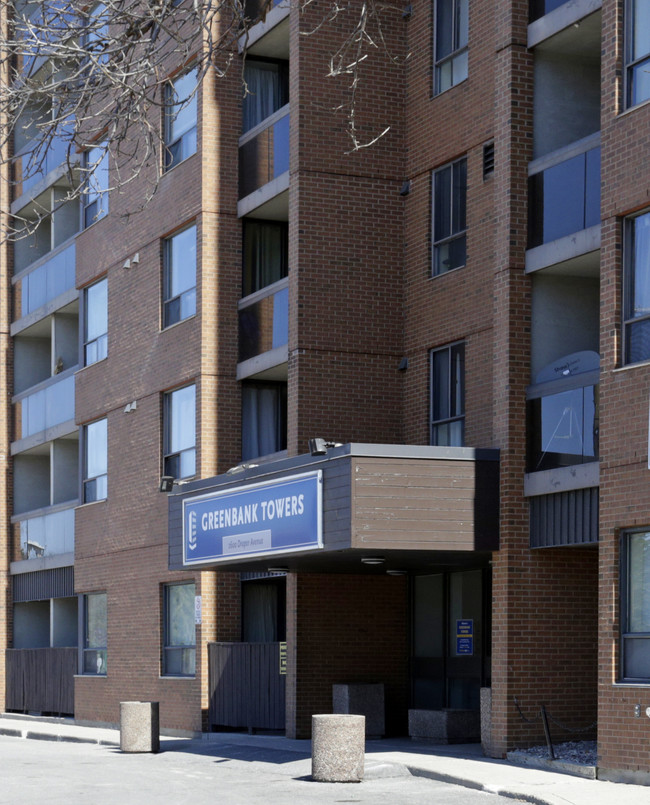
(338, 748)
(139, 727)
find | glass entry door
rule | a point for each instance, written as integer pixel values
(451, 639)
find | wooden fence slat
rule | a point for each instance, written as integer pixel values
(246, 688)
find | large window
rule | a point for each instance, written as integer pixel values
(95, 193)
(95, 633)
(638, 51)
(179, 259)
(180, 432)
(449, 216)
(637, 289)
(448, 396)
(264, 254)
(267, 90)
(95, 484)
(264, 419)
(179, 631)
(180, 119)
(450, 43)
(96, 322)
(635, 606)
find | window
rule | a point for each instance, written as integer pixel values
(450, 43)
(96, 322)
(96, 39)
(180, 277)
(635, 607)
(638, 51)
(180, 432)
(179, 631)
(637, 290)
(180, 119)
(95, 633)
(448, 396)
(265, 254)
(267, 90)
(449, 213)
(95, 193)
(562, 413)
(264, 419)
(95, 484)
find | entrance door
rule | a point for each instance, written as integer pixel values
(451, 639)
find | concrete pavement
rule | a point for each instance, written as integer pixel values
(459, 764)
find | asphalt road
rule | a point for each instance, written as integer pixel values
(57, 773)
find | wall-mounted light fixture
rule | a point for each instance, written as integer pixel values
(131, 407)
(372, 560)
(278, 569)
(397, 572)
(319, 447)
(166, 483)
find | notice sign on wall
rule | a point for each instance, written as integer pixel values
(271, 517)
(465, 637)
(283, 659)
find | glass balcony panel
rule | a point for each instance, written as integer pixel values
(47, 407)
(49, 280)
(36, 166)
(564, 198)
(539, 8)
(264, 157)
(264, 325)
(47, 535)
(563, 429)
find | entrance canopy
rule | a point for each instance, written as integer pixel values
(330, 513)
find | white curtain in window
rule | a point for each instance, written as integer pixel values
(263, 96)
(260, 421)
(642, 265)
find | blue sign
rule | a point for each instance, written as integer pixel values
(271, 517)
(464, 637)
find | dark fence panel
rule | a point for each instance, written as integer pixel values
(246, 687)
(41, 680)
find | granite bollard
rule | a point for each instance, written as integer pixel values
(337, 748)
(139, 727)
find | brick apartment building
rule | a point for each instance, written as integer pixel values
(459, 313)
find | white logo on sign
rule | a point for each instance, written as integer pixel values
(192, 536)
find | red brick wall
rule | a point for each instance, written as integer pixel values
(345, 629)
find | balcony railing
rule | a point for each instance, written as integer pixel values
(564, 198)
(563, 429)
(264, 152)
(264, 321)
(539, 8)
(48, 280)
(48, 534)
(31, 167)
(51, 404)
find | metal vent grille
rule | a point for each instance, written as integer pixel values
(565, 518)
(42, 585)
(488, 160)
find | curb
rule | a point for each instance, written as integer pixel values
(558, 766)
(49, 736)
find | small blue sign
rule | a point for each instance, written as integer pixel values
(278, 516)
(464, 637)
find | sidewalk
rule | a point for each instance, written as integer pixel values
(460, 764)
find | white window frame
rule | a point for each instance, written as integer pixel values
(630, 320)
(440, 240)
(455, 416)
(95, 342)
(98, 481)
(451, 67)
(177, 655)
(183, 141)
(629, 634)
(178, 305)
(94, 659)
(632, 62)
(174, 454)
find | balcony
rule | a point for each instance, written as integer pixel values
(264, 324)
(35, 163)
(564, 198)
(43, 407)
(47, 534)
(264, 155)
(44, 283)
